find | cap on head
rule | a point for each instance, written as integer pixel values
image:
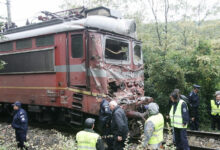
(89, 123)
(217, 93)
(196, 86)
(153, 108)
(17, 103)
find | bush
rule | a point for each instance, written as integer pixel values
(182, 69)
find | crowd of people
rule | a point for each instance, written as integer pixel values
(113, 123)
(183, 114)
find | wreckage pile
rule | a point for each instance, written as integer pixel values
(46, 139)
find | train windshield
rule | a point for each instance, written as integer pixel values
(116, 50)
(137, 54)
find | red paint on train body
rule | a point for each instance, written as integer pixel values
(67, 64)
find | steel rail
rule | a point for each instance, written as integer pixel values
(200, 148)
(203, 134)
(200, 133)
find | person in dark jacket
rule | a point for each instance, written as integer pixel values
(87, 139)
(194, 104)
(179, 117)
(20, 124)
(105, 115)
(119, 126)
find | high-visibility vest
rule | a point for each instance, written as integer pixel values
(215, 109)
(86, 140)
(157, 136)
(176, 119)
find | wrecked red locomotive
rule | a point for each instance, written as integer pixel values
(58, 66)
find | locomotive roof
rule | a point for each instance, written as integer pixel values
(125, 27)
(38, 31)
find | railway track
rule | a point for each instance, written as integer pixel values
(198, 135)
(200, 148)
(203, 134)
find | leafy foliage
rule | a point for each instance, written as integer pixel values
(180, 69)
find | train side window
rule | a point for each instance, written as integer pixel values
(45, 40)
(22, 44)
(7, 46)
(137, 54)
(77, 46)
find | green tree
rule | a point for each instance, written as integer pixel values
(181, 70)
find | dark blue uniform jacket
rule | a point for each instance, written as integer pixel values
(20, 120)
(119, 123)
(194, 103)
(105, 113)
(194, 99)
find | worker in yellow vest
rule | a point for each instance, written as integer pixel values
(88, 139)
(179, 118)
(215, 111)
(153, 128)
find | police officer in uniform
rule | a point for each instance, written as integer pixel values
(153, 128)
(105, 120)
(194, 103)
(104, 113)
(20, 124)
(215, 111)
(88, 139)
(179, 118)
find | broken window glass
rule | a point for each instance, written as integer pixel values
(117, 50)
(137, 54)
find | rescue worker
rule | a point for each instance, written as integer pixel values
(88, 139)
(104, 113)
(105, 120)
(215, 111)
(183, 97)
(20, 124)
(179, 118)
(153, 128)
(194, 103)
(119, 126)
